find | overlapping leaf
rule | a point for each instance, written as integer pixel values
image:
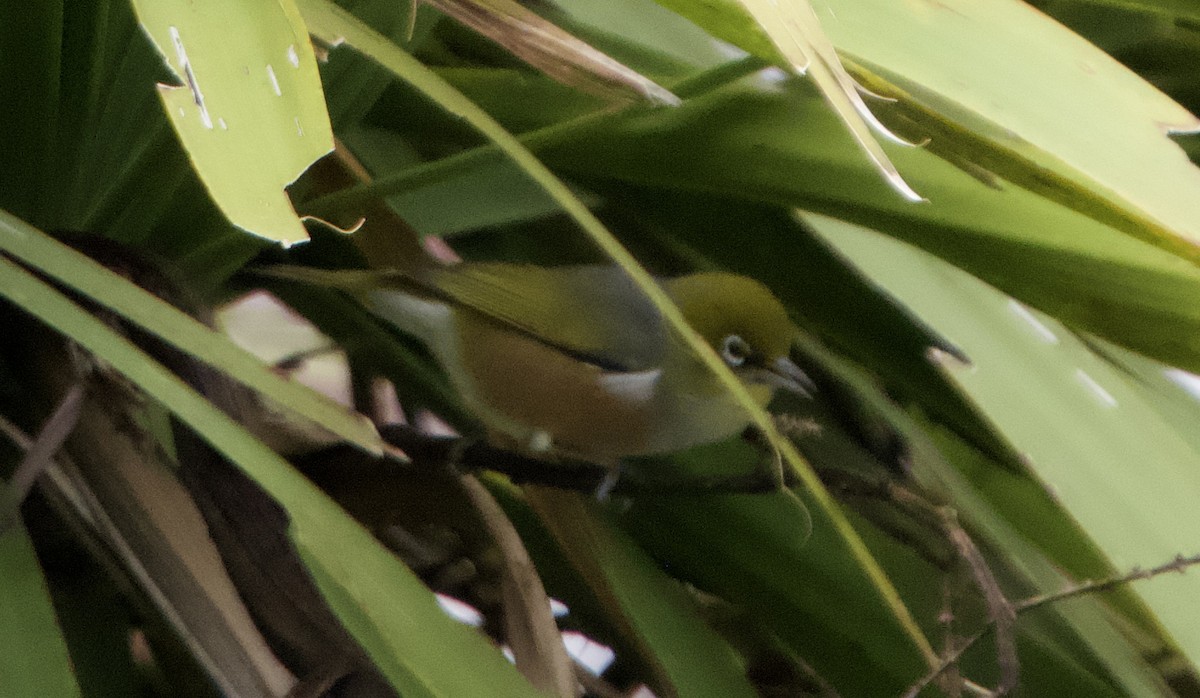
(1095, 441)
(249, 109)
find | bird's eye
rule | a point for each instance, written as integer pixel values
(735, 350)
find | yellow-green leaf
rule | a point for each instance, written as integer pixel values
(1028, 99)
(249, 109)
(789, 34)
(1086, 431)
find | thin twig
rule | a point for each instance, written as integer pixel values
(952, 683)
(530, 629)
(472, 455)
(1179, 564)
(1000, 610)
(949, 660)
(944, 521)
(39, 453)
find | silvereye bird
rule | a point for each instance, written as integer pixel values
(576, 360)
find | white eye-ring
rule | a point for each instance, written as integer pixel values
(735, 350)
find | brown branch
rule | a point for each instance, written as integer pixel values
(944, 520)
(1002, 615)
(532, 634)
(1179, 564)
(951, 679)
(39, 452)
(472, 455)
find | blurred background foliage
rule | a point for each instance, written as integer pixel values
(1006, 408)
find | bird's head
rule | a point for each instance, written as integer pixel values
(745, 324)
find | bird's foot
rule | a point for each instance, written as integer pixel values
(605, 489)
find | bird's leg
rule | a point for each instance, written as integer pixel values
(541, 444)
(609, 483)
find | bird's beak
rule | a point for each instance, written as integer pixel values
(787, 375)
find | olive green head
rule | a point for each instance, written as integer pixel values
(745, 323)
(734, 313)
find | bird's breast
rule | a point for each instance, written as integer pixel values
(524, 387)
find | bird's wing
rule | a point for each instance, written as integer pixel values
(576, 309)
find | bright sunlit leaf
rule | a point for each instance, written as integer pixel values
(1030, 100)
(789, 34)
(249, 107)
